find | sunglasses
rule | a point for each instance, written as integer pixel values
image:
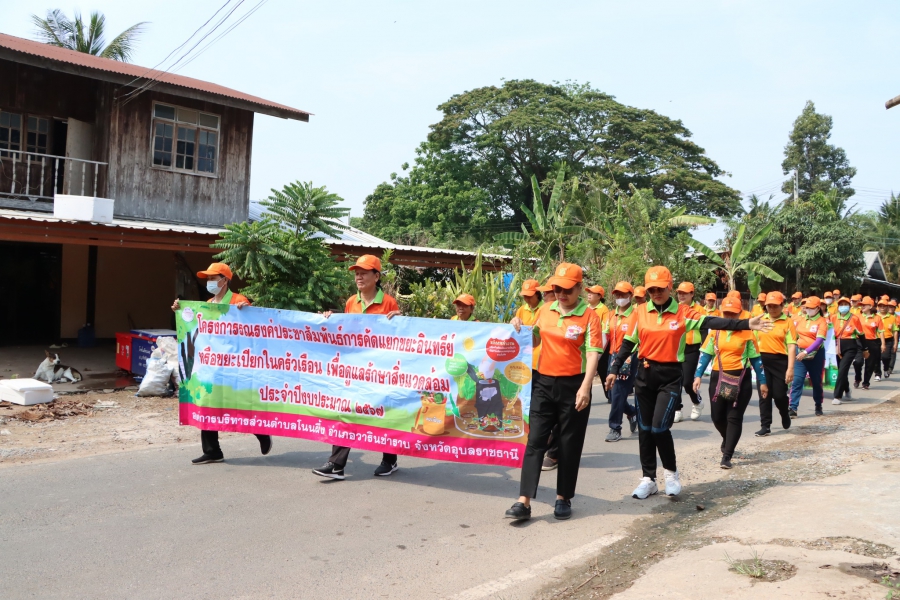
(562, 291)
(655, 290)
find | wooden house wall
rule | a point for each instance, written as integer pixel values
(142, 191)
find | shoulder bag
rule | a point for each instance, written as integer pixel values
(728, 387)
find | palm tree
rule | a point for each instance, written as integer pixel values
(57, 30)
(307, 209)
(736, 259)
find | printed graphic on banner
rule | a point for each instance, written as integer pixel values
(439, 389)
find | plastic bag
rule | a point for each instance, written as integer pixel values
(162, 363)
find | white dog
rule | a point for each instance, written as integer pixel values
(52, 371)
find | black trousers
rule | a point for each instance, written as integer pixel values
(340, 454)
(552, 405)
(657, 390)
(689, 366)
(849, 349)
(728, 417)
(859, 364)
(775, 368)
(603, 371)
(209, 441)
(887, 358)
(874, 360)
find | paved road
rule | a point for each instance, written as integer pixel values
(147, 524)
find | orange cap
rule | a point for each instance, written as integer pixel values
(796, 295)
(623, 287)
(868, 301)
(828, 295)
(733, 294)
(545, 288)
(216, 269)
(761, 297)
(566, 276)
(466, 299)
(774, 298)
(640, 292)
(367, 262)
(685, 287)
(529, 287)
(711, 296)
(856, 297)
(837, 293)
(844, 299)
(597, 289)
(731, 305)
(813, 302)
(658, 277)
(884, 299)
(893, 303)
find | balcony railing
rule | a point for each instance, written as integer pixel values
(38, 177)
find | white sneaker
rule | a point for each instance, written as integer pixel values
(877, 378)
(696, 411)
(678, 416)
(673, 483)
(836, 402)
(645, 489)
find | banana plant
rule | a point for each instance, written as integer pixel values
(737, 259)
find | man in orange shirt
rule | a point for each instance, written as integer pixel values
(848, 336)
(617, 325)
(218, 277)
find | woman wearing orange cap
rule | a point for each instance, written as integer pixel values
(217, 277)
(812, 328)
(745, 314)
(571, 344)
(692, 341)
(759, 309)
(778, 349)
(874, 329)
(709, 307)
(848, 336)
(368, 300)
(795, 309)
(889, 326)
(595, 295)
(465, 308)
(659, 332)
(640, 295)
(828, 304)
(730, 386)
(617, 325)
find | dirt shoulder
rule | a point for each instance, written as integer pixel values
(807, 510)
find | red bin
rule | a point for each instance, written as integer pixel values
(124, 350)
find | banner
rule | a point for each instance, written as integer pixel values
(445, 390)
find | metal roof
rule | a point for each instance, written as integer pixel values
(56, 58)
(125, 223)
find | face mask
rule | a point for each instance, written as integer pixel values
(212, 287)
(623, 302)
(844, 309)
(812, 312)
(828, 301)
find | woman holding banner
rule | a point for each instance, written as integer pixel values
(571, 344)
(217, 277)
(369, 300)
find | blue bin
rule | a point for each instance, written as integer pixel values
(142, 347)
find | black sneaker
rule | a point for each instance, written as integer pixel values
(763, 432)
(726, 462)
(819, 412)
(549, 464)
(792, 413)
(208, 458)
(786, 421)
(632, 424)
(265, 444)
(856, 384)
(330, 470)
(385, 469)
(563, 510)
(865, 386)
(519, 512)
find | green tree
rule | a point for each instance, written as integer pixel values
(737, 259)
(821, 166)
(57, 29)
(282, 256)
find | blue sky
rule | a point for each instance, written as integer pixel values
(736, 73)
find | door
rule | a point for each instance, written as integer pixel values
(29, 313)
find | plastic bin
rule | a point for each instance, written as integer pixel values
(123, 350)
(142, 343)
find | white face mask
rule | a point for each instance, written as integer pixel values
(828, 301)
(623, 302)
(812, 311)
(212, 287)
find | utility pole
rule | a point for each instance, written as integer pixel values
(797, 244)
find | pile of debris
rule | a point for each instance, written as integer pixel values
(60, 408)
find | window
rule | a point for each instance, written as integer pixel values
(185, 140)
(37, 135)
(10, 132)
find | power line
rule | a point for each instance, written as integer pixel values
(224, 33)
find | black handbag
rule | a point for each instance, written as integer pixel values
(728, 388)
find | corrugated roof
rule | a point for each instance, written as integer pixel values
(126, 223)
(122, 72)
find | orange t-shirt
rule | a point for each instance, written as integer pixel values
(808, 329)
(237, 298)
(871, 325)
(381, 305)
(617, 326)
(735, 348)
(776, 341)
(889, 320)
(661, 336)
(567, 339)
(846, 327)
